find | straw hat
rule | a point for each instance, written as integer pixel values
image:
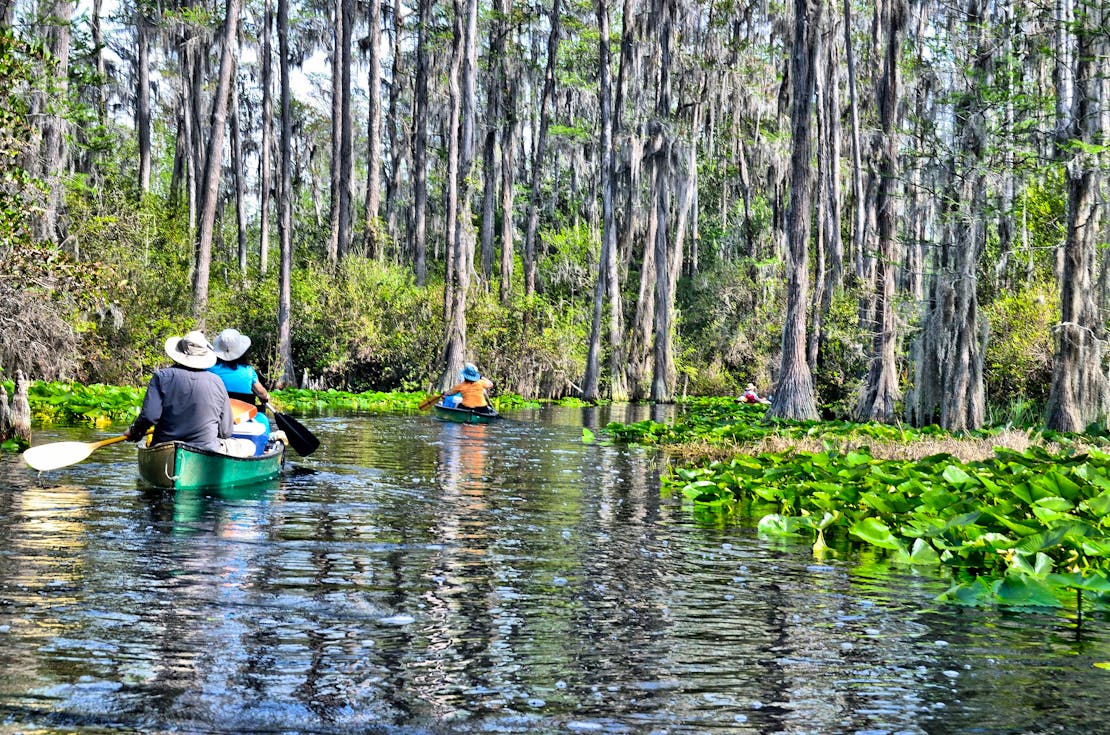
(191, 351)
(230, 344)
(750, 386)
(470, 372)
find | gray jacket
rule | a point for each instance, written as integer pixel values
(185, 405)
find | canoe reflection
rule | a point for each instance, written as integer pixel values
(234, 512)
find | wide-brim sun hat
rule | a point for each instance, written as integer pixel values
(191, 351)
(230, 344)
(750, 386)
(470, 372)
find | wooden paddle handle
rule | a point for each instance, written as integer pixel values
(106, 442)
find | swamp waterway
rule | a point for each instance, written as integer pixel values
(418, 577)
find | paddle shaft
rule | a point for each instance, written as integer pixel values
(427, 402)
(105, 442)
(303, 441)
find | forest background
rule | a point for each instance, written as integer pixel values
(885, 210)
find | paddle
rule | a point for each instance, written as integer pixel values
(427, 402)
(60, 454)
(303, 441)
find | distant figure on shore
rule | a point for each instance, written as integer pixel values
(751, 396)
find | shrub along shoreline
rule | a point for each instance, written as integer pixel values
(1026, 524)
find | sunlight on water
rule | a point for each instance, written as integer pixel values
(420, 577)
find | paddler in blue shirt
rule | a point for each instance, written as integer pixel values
(239, 377)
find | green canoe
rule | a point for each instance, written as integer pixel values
(464, 415)
(180, 466)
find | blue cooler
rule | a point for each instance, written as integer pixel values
(255, 431)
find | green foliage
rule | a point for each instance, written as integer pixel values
(1018, 370)
(531, 346)
(568, 270)
(728, 313)
(74, 403)
(1019, 529)
(16, 65)
(842, 359)
(718, 420)
(1041, 208)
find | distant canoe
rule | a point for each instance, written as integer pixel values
(183, 467)
(464, 415)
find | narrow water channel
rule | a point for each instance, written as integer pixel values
(419, 577)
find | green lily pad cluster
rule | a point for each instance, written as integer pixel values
(1019, 529)
(720, 419)
(74, 403)
(301, 400)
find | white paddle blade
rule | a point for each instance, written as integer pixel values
(59, 454)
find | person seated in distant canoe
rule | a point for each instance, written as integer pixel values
(241, 381)
(474, 391)
(184, 402)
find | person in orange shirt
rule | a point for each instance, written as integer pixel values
(473, 391)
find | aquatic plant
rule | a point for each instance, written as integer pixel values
(1017, 528)
(1021, 529)
(75, 403)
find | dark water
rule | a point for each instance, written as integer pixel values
(418, 577)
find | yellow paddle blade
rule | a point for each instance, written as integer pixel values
(60, 454)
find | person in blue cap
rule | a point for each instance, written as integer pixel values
(473, 391)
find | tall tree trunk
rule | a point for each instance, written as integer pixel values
(396, 137)
(372, 237)
(265, 175)
(48, 225)
(830, 272)
(420, 144)
(590, 381)
(538, 154)
(101, 68)
(643, 323)
(948, 370)
(1080, 390)
(346, 142)
(288, 374)
(180, 171)
(195, 89)
(880, 391)
(335, 178)
(142, 98)
(794, 394)
(495, 91)
(464, 89)
(859, 227)
(662, 374)
(213, 162)
(508, 158)
(240, 184)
